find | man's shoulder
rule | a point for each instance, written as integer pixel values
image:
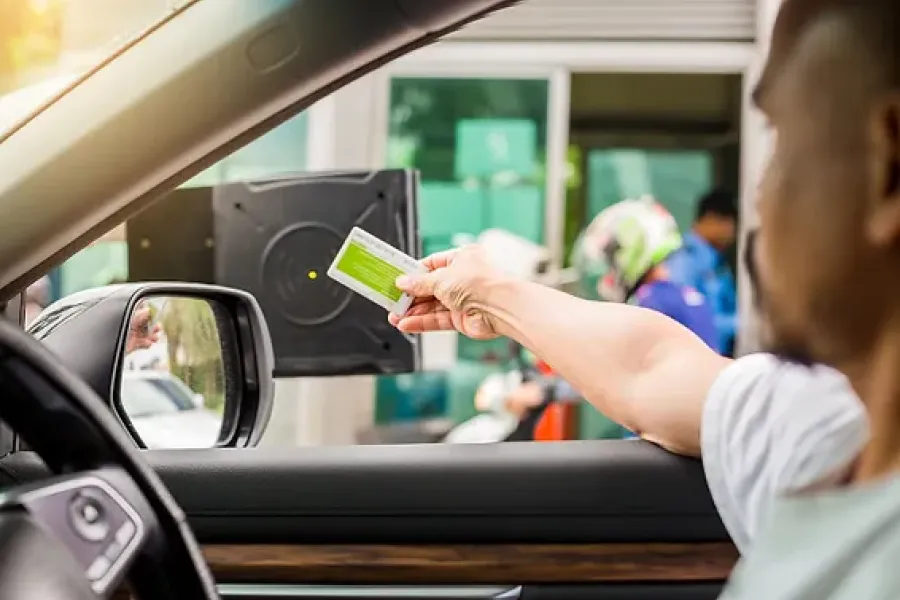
(766, 374)
(785, 395)
(772, 427)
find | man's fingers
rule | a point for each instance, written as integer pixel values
(423, 308)
(418, 301)
(439, 260)
(421, 286)
(434, 321)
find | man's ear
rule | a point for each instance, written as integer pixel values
(883, 214)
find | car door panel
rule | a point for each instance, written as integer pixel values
(603, 514)
(470, 564)
(567, 493)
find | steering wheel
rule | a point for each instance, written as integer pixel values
(105, 516)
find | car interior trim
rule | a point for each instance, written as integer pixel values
(471, 564)
(561, 493)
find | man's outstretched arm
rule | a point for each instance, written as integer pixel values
(638, 367)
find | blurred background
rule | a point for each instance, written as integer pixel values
(532, 120)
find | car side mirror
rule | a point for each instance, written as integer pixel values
(182, 365)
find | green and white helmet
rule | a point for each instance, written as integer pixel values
(621, 245)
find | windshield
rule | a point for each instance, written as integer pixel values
(46, 44)
(141, 398)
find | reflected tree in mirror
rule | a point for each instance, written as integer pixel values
(194, 348)
(173, 383)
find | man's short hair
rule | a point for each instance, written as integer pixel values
(717, 203)
(875, 22)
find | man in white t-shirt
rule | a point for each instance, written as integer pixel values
(805, 475)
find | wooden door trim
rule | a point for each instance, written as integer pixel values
(470, 564)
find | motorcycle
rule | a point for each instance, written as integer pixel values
(498, 424)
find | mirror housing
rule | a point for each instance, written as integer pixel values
(89, 331)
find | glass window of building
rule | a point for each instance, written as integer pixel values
(480, 146)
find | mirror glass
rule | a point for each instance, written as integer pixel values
(172, 389)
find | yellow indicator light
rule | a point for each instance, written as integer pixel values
(312, 275)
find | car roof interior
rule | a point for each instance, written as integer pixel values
(207, 80)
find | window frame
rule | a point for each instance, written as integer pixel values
(557, 127)
(556, 62)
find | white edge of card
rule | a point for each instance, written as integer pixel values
(400, 306)
(337, 257)
(410, 263)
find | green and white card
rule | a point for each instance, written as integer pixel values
(370, 267)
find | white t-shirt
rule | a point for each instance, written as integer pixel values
(770, 429)
(839, 544)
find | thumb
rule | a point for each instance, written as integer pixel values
(420, 286)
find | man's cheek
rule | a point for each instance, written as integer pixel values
(775, 258)
(766, 210)
(769, 189)
(763, 260)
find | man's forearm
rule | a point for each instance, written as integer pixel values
(638, 367)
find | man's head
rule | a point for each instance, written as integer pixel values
(829, 242)
(716, 220)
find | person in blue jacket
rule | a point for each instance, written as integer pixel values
(624, 254)
(701, 262)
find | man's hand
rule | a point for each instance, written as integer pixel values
(451, 295)
(141, 334)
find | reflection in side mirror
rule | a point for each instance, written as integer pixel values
(172, 391)
(137, 315)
